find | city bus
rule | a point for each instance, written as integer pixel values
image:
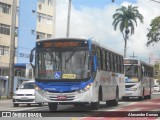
(77, 71)
(139, 79)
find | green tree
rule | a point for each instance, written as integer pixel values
(157, 72)
(126, 17)
(154, 32)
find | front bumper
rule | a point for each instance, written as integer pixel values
(24, 99)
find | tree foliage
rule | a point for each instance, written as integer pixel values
(126, 19)
(154, 31)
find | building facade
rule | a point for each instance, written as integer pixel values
(35, 19)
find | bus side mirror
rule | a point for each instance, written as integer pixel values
(31, 56)
(95, 63)
(142, 69)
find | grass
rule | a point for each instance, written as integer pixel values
(3, 97)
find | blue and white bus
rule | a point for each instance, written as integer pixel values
(139, 79)
(77, 71)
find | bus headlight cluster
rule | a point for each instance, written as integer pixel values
(85, 89)
(39, 89)
(136, 88)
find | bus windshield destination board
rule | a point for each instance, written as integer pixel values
(59, 44)
(130, 61)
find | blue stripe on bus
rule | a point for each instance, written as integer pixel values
(63, 86)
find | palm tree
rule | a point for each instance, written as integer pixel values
(125, 17)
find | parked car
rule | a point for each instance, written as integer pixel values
(25, 94)
(157, 88)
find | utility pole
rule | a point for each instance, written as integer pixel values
(68, 18)
(54, 19)
(133, 55)
(12, 50)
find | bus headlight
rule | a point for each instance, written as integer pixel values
(136, 88)
(39, 90)
(85, 89)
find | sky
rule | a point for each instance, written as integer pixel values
(93, 19)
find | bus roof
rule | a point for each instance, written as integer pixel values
(84, 39)
(140, 61)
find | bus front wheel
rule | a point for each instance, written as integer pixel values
(95, 105)
(52, 106)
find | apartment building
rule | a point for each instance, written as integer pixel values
(28, 30)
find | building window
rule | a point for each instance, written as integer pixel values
(40, 35)
(42, 1)
(41, 17)
(44, 18)
(4, 29)
(49, 35)
(4, 50)
(50, 2)
(49, 19)
(5, 8)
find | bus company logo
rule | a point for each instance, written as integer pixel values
(50, 89)
(74, 88)
(61, 90)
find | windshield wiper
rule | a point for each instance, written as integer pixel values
(67, 60)
(129, 68)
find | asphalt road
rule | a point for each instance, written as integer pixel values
(68, 112)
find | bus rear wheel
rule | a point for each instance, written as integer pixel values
(52, 106)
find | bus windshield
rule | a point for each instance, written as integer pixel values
(56, 65)
(131, 71)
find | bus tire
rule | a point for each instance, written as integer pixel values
(140, 98)
(95, 105)
(15, 105)
(52, 106)
(115, 101)
(40, 104)
(149, 96)
(79, 104)
(28, 105)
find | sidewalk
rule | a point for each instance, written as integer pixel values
(3, 98)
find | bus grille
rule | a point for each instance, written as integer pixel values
(62, 92)
(129, 86)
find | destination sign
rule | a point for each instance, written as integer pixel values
(130, 61)
(61, 43)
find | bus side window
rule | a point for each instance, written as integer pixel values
(122, 65)
(103, 60)
(110, 61)
(99, 58)
(107, 61)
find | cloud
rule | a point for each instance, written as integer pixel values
(97, 23)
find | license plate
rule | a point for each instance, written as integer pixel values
(24, 98)
(61, 97)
